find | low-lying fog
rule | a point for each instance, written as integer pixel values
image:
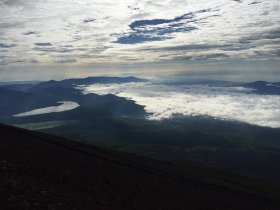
(231, 103)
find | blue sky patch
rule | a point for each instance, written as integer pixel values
(44, 44)
(154, 30)
(141, 23)
(6, 45)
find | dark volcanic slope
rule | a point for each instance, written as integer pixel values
(37, 173)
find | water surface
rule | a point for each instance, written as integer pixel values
(64, 106)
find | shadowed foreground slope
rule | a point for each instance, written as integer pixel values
(39, 171)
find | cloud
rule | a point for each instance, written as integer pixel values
(88, 20)
(228, 103)
(13, 2)
(65, 60)
(31, 33)
(187, 47)
(145, 31)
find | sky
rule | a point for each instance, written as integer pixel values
(215, 39)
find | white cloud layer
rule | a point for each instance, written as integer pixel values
(229, 103)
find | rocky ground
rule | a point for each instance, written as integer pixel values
(38, 171)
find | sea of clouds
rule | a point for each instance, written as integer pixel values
(229, 103)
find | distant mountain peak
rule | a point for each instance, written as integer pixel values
(72, 82)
